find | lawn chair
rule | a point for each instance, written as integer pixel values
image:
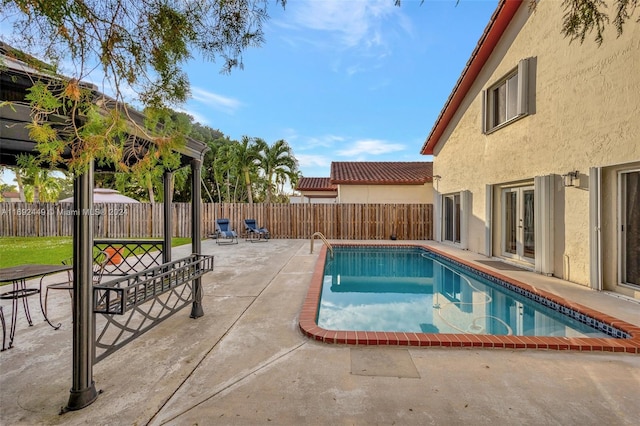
(223, 230)
(254, 233)
(99, 262)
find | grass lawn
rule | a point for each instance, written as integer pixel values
(46, 250)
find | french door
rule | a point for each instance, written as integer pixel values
(518, 232)
(629, 231)
(451, 223)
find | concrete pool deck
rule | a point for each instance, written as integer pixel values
(246, 362)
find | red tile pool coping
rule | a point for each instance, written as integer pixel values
(310, 328)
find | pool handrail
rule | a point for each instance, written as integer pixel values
(324, 240)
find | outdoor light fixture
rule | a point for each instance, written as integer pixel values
(571, 178)
(437, 178)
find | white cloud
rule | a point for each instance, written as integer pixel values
(324, 141)
(213, 100)
(290, 134)
(312, 160)
(197, 117)
(370, 147)
(354, 69)
(346, 24)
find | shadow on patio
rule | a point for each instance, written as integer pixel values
(246, 362)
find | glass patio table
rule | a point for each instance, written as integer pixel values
(18, 276)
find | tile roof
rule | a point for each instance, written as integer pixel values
(315, 184)
(498, 24)
(381, 173)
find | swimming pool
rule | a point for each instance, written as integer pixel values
(414, 295)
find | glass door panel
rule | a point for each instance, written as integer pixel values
(510, 221)
(451, 222)
(630, 228)
(448, 219)
(518, 240)
(527, 223)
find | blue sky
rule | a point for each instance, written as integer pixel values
(343, 80)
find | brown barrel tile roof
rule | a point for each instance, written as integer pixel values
(381, 172)
(315, 184)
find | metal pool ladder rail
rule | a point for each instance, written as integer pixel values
(324, 240)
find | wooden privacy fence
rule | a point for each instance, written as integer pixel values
(145, 220)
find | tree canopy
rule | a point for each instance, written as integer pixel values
(136, 48)
(139, 44)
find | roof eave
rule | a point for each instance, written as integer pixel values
(380, 182)
(493, 32)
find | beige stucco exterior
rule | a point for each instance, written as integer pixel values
(385, 194)
(584, 112)
(315, 197)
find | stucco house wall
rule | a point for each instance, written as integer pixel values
(385, 194)
(584, 111)
(312, 197)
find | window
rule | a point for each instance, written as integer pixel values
(629, 228)
(452, 218)
(506, 100)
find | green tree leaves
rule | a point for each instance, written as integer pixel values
(137, 48)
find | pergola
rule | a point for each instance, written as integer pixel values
(123, 294)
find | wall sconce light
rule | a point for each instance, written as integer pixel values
(571, 178)
(437, 178)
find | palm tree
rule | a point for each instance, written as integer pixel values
(278, 164)
(282, 178)
(224, 167)
(247, 156)
(37, 183)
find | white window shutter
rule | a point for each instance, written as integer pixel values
(465, 214)
(488, 221)
(437, 216)
(485, 111)
(523, 87)
(543, 223)
(595, 237)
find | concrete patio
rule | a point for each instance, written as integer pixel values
(246, 362)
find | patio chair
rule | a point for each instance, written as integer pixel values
(255, 233)
(223, 230)
(99, 262)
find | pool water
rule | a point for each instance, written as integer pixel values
(409, 289)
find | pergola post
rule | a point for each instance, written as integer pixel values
(83, 390)
(168, 220)
(196, 232)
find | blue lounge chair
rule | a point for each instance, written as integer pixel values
(254, 233)
(223, 230)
